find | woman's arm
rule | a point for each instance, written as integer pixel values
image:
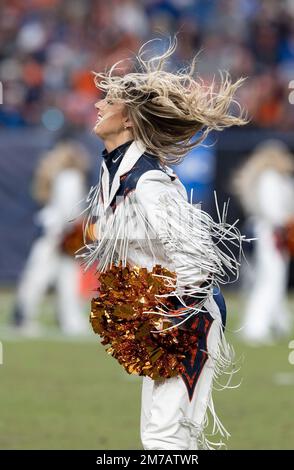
(203, 252)
(164, 204)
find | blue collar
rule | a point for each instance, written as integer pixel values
(114, 158)
(115, 153)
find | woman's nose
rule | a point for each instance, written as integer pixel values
(99, 104)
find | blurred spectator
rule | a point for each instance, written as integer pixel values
(49, 48)
(265, 185)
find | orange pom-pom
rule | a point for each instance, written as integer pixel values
(122, 316)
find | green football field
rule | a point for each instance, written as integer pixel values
(57, 393)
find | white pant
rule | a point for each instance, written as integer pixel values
(46, 266)
(169, 420)
(266, 309)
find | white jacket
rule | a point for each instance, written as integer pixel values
(68, 190)
(144, 219)
(151, 222)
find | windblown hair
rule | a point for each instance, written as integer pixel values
(167, 109)
(67, 154)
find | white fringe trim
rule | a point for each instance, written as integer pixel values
(200, 249)
(223, 364)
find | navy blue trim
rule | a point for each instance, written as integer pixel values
(220, 301)
(194, 365)
(129, 180)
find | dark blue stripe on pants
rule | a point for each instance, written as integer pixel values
(220, 301)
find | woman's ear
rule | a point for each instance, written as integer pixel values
(127, 122)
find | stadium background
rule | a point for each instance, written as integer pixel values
(57, 393)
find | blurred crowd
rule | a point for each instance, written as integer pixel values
(48, 49)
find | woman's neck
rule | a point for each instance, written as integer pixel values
(114, 142)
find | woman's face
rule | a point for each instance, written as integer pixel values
(112, 119)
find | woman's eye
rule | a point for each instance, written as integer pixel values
(109, 102)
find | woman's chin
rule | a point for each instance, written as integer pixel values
(97, 130)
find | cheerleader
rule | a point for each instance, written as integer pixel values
(266, 189)
(59, 185)
(161, 259)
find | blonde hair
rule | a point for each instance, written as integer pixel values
(270, 154)
(167, 109)
(67, 154)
